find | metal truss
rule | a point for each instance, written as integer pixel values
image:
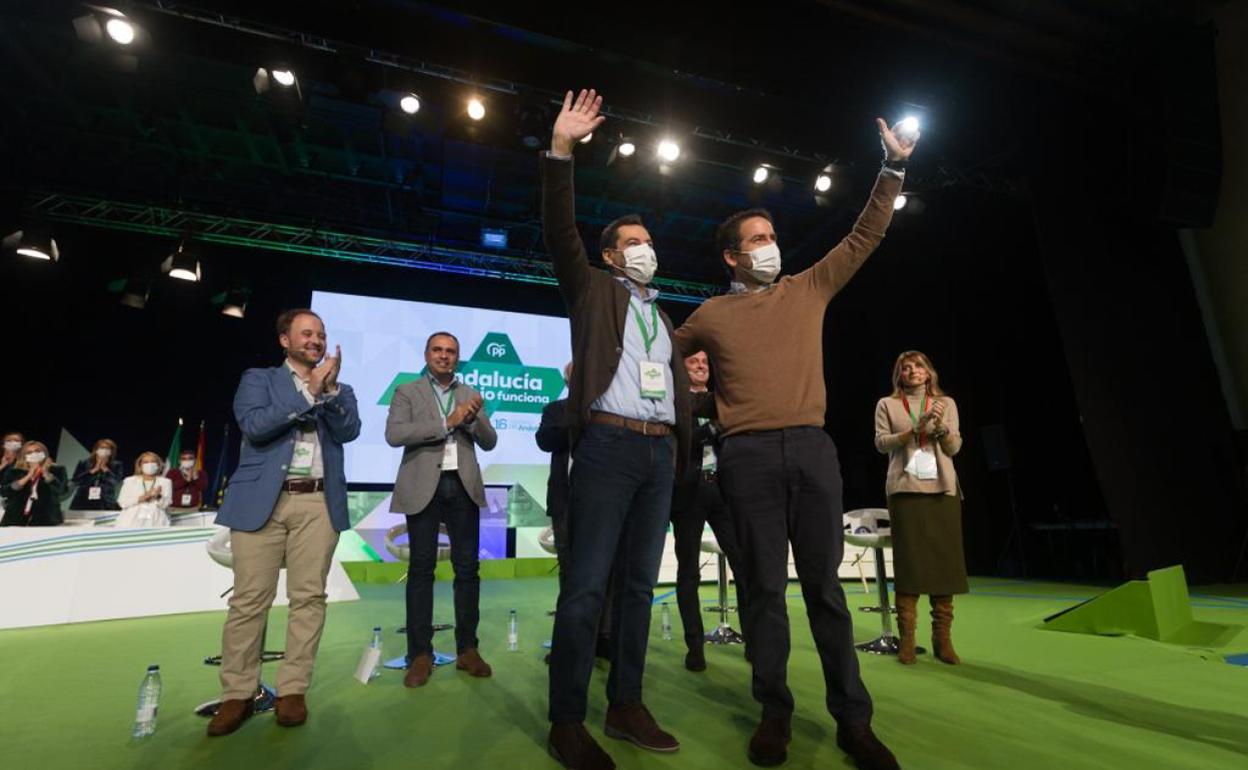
(315, 241)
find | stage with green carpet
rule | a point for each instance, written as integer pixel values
(1023, 697)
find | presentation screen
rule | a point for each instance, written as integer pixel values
(515, 360)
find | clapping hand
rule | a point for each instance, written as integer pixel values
(577, 120)
(325, 375)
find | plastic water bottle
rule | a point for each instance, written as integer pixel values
(376, 645)
(149, 702)
(667, 623)
(513, 632)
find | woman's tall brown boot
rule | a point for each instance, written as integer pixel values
(942, 623)
(907, 619)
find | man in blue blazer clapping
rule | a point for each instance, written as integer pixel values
(285, 506)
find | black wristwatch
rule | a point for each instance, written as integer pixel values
(896, 165)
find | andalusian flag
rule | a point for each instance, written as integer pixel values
(200, 448)
(175, 448)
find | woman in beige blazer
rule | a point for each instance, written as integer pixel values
(917, 427)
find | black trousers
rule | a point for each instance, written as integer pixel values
(450, 505)
(706, 506)
(784, 487)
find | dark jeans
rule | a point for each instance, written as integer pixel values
(784, 486)
(563, 549)
(618, 512)
(450, 505)
(688, 523)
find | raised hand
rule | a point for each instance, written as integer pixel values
(896, 147)
(577, 120)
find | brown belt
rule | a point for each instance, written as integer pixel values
(636, 426)
(304, 486)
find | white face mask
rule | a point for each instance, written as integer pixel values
(35, 458)
(12, 446)
(151, 468)
(104, 452)
(765, 262)
(640, 262)
(187, 465)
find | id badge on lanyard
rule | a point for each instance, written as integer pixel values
(450, 454)
(95, 493)
(301, 460)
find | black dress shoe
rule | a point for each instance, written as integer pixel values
(867, 751)
(769, 746)
(695, 659)
(572, 746)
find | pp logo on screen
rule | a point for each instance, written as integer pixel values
(496, 350)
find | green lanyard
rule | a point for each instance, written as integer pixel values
(648, 336)
(913, 419)
(450, 399)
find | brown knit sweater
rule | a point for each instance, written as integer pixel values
(766, 347)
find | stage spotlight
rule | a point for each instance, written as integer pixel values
(476, 108)
(265, 79)
(669, 151)
(899, 202)
(35, 243)
(134, 292)
(410, 104)
(627, 149)
(588, 138)
(760, 174)
(182, 263)
(823, 183)
(908, 128)
(120, 31)
(234, 302)
(103, 23)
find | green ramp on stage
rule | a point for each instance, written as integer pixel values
(1157, 608)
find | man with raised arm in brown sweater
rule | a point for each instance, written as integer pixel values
(778, 468)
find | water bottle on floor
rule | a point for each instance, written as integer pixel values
(149, 702)
(667, 623)
(513, 633)
(376, 645)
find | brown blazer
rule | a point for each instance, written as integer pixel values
(597, 308)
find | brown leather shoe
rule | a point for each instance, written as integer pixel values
(418, 671)
(292, 710)
(230, 716)
(867, 751)
(770, 744)
(633, 722)
(470, 660)
(573, 747)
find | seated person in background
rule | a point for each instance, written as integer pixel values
(97, 478)
(188, 482)
(32, 488)
(145, 496)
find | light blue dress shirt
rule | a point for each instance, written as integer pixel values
(623, 397)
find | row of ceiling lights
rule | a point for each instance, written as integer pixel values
(108, 22)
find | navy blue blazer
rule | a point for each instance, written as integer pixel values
(268, 409)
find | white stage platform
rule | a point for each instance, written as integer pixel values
(73, 574)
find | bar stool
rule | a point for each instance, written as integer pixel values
(403, 552)
(723, 633)
(218, 548)
(546, 539)
(864, 529)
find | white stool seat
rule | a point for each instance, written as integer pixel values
(867, 528)
(711, 545)
(547, 540)
(403, 551)
(219, 550)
